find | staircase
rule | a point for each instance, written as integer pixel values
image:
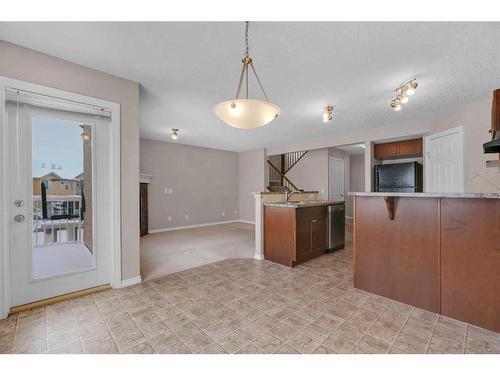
(278, 181)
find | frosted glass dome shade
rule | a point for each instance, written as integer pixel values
(246, 113)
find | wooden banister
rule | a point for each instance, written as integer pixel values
(292, 159)
(284, 177)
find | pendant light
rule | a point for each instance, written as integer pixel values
(247, 113)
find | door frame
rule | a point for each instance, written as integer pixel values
(114, 229)
(330, 185)
(428, 138)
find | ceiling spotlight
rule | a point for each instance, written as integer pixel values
(402, 99)
(328, 113)
(410, 87)
(402, 92)
(396, 104)
(174, 135)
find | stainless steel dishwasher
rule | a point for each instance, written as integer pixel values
(336, 227)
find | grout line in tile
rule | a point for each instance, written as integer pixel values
(139, 328)
(465, 337)
(370, 326)
(432, 333)
(76, 324)
(400, 330)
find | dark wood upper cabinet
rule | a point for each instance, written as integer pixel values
(401, 149)
(386, 150)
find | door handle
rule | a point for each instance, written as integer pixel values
(19, 218)
(314, 221)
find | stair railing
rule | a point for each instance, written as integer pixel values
(286, 182)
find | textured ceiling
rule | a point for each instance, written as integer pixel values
(185, 68)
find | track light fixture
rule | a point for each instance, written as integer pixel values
(404, 90)
(328, 113)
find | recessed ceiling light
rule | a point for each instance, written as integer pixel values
(174, 134)
(328, 113)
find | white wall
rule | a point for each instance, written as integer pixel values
(357, 179)
(474, 117)
(311, 172)
(252, 177)
(204, 184)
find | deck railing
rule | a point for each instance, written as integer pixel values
(51, 232)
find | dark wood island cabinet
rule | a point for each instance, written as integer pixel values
(295, 234)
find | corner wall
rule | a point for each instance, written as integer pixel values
(31, 66)
(199, 182)
(253, 174)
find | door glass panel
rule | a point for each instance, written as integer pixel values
(62, 222)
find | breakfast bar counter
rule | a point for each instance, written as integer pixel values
(436, 251)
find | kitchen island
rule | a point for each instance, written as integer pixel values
(295, 232)
(439, 252)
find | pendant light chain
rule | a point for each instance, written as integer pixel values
(247, 54)
(244, 70)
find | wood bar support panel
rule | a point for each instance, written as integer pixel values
(438, 254)
(397, 256)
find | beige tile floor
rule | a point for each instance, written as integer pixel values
(168, 252)
(242, 306)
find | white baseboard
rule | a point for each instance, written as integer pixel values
(131, 281)
(246, 222)
(194, 226)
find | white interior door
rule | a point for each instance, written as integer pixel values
(337, 179)
(444, 166)
(58, 242)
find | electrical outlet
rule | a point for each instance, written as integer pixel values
(223, 213)
(170, 218)
(235, 212)
(187, 217)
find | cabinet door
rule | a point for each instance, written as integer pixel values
(470, 261)
(303, 246)
(386, 150)
(318, 234)
(412, 147)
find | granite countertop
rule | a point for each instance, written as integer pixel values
(427, 195)
(301, 204)
(300, 192)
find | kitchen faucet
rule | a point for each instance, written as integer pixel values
(289, 193)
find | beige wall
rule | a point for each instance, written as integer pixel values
(252, 179)
(474, 117)
(356, 178)
(204, 184)
(27, 65)
(311, 172)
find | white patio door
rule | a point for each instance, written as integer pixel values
(58, 200)
(444, 165)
